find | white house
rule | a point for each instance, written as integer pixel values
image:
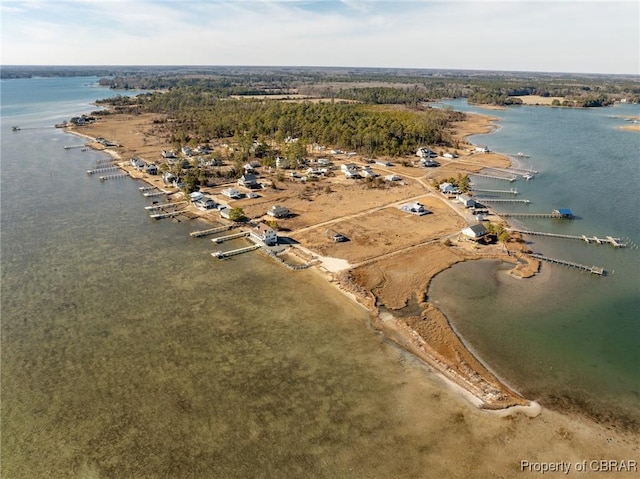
(466, 200)
(232, 193)
(449, 189)
(483, 149)
(264, 234)
(392, 178)
(205, 203)
(350, 170)
(278, 211)
(425, 152)
(475, 232)
(415, 209)
(368, 172)
(451, 156)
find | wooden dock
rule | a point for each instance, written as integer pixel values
(147, 188)
(512, 170)
(103, 169)
(210, 231)
(165, 205)
(494, 177)
(503, 200)
(496, 192)
(166, 214)
(151, 194)
(233, 252)
(536, 215)
(222, 239)
(615, 242)
(114, 177)
(591, 269)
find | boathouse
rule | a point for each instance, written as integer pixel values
(563, 213)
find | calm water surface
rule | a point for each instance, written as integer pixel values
(565, 337)
(128, 351)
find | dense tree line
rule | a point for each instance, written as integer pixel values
(373, 130)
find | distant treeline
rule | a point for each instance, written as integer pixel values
(388, 87)
(200, 116)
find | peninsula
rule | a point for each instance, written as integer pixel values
(390, 254)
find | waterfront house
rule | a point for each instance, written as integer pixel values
(152, 169)
(449, 189)
(195, 196)
(475, 232)
(450, 156)
(264, 234)
(168, 154)
(168, 177)
(205, 203)
(279, 211)
(231, 193)
(248, 180)
(466, 200)
(137, 163)
(482, 149)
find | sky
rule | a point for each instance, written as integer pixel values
(556, 36)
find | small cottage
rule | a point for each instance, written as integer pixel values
(279, 211)
(466, 200)
(248, 180)
(475, 232)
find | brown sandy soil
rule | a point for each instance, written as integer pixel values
(630, 127)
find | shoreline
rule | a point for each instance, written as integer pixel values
(510, 401)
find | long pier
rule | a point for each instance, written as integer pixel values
(591, 269)
(233, 252)
(222, 239)
(503, 200)
(166, 214)
(151, 194)
(113, 177)
(147, 188)
(103, 169)
(536, 215)
(494, 177)
(511, 170)
(210, 231)
(165, 205)
(615, 242)
(497, 192)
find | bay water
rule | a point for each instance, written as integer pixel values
(566, 338)
(128, 351)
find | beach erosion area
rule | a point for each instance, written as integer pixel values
(389, 261)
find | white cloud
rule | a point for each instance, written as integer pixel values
(582, 36)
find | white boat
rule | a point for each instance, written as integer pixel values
(528, 176)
